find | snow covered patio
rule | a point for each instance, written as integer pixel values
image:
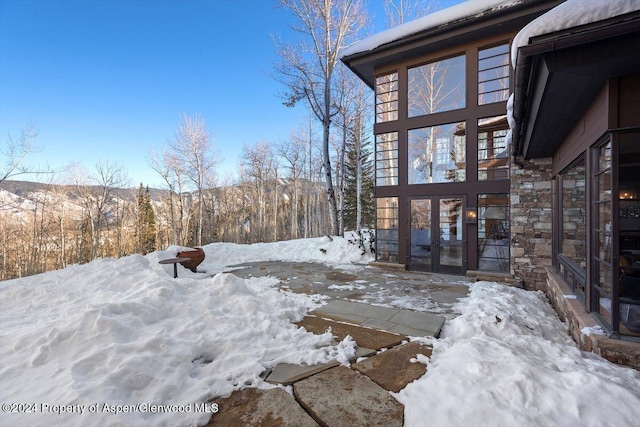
(121, 342)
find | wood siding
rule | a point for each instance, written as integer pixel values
(629, 101)
(591, 126)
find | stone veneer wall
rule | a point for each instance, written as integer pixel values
(580, 323)
(531, 244)
(531, 221)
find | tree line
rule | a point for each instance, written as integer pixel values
(307, 186)
(278, 195)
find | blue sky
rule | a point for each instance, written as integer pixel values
(107, 79)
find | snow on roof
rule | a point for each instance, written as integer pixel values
(467, 9)
(572, 13)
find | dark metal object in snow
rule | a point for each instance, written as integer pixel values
(195, 257)
(175, 262)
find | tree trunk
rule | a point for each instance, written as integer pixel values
(331, 194)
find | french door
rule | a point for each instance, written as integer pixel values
(436, 240)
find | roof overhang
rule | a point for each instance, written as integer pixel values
(494, 22)
(559, 75)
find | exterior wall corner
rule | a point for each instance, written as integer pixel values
(531, 221)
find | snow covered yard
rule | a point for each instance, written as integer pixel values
(124, 332)
(507, 360)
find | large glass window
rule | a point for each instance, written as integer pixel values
(437, 86)
(387, 159)
(493, 232)
(629, 232)
(602, 234)
(572, 257)
(493, 153)
(387, 98)
(493, 74)
(574, 197)
(437, 154)
(387, 229)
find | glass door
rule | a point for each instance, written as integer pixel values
(421, 246)
(451, 244)
(436, 240)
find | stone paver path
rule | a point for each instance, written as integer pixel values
(385, 361)
(344, 397)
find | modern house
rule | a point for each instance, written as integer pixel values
(507, 146)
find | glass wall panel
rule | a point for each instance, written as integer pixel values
(450, 231)
(571, 259)
(437, 154)
(421, 247)
(493, 232)
(387, 98)
(574, 214)
(629, 231)
(602, 235)
(387, 229)
(437, 86)
(603, 293)
(493, 152)
(493, 74)
(387, 159)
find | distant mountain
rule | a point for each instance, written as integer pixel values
(25, 188)
(22, 196)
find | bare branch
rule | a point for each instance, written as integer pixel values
(16, 151)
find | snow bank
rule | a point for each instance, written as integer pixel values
(571, 13)
(125, 332)
(466, 9)
(508, 360)
(326, 250)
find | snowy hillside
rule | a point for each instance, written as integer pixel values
(124, 332)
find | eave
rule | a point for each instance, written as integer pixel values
(458, 33)
(558, 76)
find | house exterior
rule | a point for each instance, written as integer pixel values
(507, 141)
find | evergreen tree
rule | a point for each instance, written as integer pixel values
(358, 151)
(146, 222)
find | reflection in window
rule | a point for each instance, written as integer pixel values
(574, 205)
(387, 159)
(602, 233)
(450, 226)
(572, 257)
(629, 236)
(387, 98)
(493, 232)
(437, 154)
(493, 74)
(437, 86)
(387, 229)
(493, 153)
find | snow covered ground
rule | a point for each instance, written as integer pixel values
(123, 335)
(507, 360)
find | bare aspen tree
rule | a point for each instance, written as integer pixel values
(362, 109)
(348, 85)
(171, 171)
(195, 151)
(259, 166)
(400, 11)
(15, 151)
(276, 195)
(293, 154)
(308, 188)
(307, 69)
(60, 217)
(96, 192)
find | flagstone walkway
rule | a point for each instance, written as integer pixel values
(386, 358)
